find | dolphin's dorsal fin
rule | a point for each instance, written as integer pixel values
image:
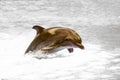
(38, 28)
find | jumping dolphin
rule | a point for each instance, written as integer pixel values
(51, 39)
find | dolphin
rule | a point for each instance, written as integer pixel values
(54, 39)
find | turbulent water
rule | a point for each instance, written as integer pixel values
(97, 22)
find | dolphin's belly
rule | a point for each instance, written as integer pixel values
(63, 45)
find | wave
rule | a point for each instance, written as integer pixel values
(88, 64)
(97, 24)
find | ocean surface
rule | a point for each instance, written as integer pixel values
(96, 21)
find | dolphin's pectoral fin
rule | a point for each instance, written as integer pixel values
(70, 50)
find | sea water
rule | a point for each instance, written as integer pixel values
(95, 21)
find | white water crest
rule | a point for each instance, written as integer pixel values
(97, 22)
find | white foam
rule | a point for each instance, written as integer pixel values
(17, 66)
(91, 63)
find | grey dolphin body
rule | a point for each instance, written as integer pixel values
(54, 39)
